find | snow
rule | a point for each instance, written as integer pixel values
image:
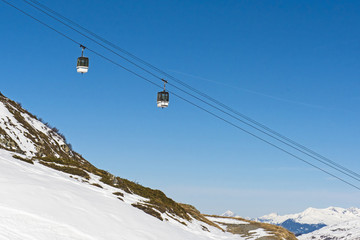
(327, 216)
(39, 203)
(258, 233)
(15, 224)
(349, 230)
(15, 130)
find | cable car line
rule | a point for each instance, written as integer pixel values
(304, 149)
(107, 58)
(188, 101)
(317, 155)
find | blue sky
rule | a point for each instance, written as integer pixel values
(291, 65)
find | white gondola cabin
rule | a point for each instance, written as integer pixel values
(163, 97)
(82, 65)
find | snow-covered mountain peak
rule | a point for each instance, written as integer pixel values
(309, 210)
(228, 213)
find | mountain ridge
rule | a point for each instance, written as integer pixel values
(24, 134)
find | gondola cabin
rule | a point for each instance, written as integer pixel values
(163, 99)
(82, 65)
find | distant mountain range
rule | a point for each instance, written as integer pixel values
(313, 219)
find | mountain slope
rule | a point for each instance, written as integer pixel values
(23, 133)
(48, 191)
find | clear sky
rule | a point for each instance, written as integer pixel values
(291, 65)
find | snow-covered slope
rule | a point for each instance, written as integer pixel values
(349, 230)
(22, 132)
(40, 203)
